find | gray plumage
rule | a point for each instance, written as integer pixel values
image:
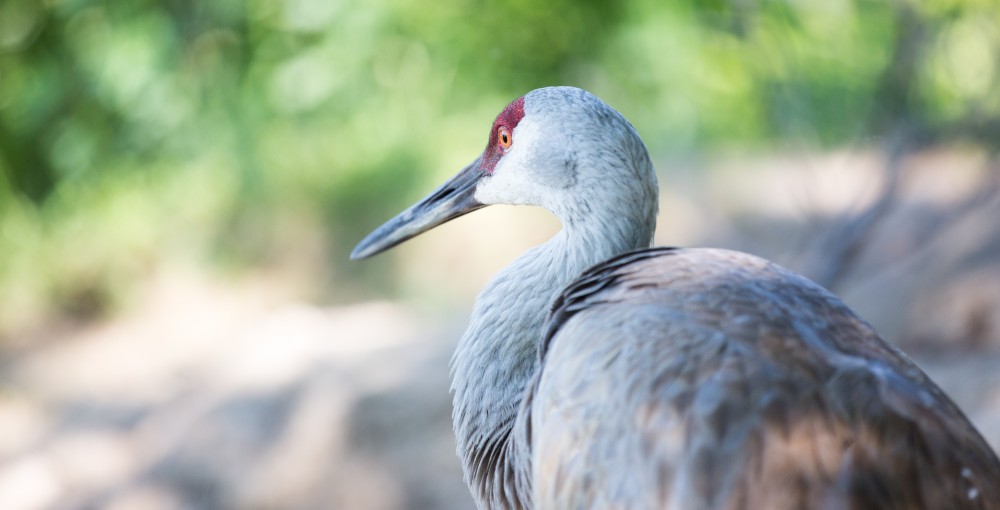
(671, 378)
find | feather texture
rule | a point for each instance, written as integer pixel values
(711, 379)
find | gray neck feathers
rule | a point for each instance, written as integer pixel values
(497, 356)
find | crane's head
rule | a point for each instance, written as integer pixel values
(557, 147)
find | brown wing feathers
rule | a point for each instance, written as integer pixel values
(786, 398)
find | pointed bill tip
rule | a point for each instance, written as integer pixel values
(393, 232)
(455, 198)
(359, 253)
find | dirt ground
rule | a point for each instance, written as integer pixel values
(212, 394)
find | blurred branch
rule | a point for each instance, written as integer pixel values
(894, 97)
(982, 197)
(899, 112)
(835, 253)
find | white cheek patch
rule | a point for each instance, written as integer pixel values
(506, 186)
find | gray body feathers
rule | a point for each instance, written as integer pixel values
(710, 379)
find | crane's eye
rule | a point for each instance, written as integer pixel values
(503, 137)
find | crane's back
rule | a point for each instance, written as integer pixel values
(710, 379)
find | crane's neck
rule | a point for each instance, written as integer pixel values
(498, 354)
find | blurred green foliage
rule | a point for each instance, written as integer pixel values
(134, 132)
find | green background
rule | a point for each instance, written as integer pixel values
(136, 134)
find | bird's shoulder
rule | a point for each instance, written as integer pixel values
(723, 290)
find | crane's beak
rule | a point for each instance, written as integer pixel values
(455, 198)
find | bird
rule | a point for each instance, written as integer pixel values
(598, 372)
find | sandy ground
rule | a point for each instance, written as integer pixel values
(212, 395)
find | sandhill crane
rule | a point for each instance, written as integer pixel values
(665, 377)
